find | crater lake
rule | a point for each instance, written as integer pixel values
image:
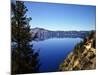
(53, 51)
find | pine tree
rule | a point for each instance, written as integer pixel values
(24, 59)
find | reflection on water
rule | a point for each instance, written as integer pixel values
(53, 51)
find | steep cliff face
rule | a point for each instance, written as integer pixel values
(83, 56)
(45, 34)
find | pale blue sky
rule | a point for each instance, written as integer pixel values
(55, 16)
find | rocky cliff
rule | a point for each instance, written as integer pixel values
(83, 56)
(43, 34)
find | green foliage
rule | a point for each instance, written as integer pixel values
(93, 36)
(24, 59)
(78, 48)
(82, 58)
(94, 43)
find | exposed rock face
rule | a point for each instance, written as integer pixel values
(83, 56)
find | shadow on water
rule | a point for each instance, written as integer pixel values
(53, 51)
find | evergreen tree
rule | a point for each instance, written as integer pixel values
(24, 59)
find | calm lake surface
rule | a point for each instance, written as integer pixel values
(53, 52)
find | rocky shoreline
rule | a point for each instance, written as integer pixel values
(83, 57)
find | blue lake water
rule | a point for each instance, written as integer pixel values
(53, 52)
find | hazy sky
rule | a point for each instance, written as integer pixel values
(54, 16)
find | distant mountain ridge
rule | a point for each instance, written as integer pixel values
(42, 33)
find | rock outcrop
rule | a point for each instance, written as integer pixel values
(43, 34)
(83, 56)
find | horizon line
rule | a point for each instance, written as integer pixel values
(62, 30)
